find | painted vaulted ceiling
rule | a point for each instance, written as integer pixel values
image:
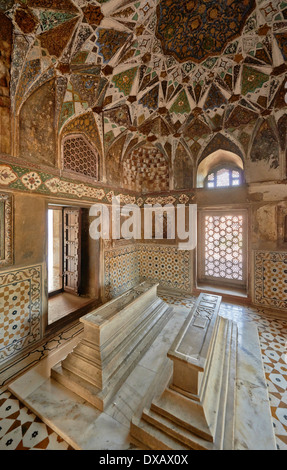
(158, 71)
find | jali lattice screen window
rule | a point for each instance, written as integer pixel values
(223, 247)
(80, 156)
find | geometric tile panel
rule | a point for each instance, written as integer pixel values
(121, 270)
(167, 265)
(14, 320)
(271, 279)
(127, 266)
(20, 310)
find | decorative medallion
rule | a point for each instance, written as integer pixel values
(197, 29)
(93, 14)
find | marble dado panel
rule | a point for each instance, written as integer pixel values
(270, 281)
(169, 266)
(20, 310)
(125, 267)
(121, 270)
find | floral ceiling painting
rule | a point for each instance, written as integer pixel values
(150, 72)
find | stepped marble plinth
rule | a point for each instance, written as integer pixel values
(115, 337)
(193, 404)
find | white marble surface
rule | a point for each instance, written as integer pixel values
(78, 422)
(253, 425)
(84, 427)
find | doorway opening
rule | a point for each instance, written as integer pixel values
(55, 268)
(72, 284)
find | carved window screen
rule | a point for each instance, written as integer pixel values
(222, 247)
(79, 156)
(6, 230)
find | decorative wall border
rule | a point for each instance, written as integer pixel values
(20, 310)
(20, 178)
(270, 279)
(6, 229)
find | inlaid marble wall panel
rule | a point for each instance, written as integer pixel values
(121, 270)
(20, 310)
(271, 279)
(167, 265)
(127, 266)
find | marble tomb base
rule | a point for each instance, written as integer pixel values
(115, 337)
(134, 417)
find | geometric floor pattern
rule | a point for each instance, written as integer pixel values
(20, 429)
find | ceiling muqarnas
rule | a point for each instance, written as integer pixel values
(158, 72)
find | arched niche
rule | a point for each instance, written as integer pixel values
(182, 169)
(80, 144)
(80, 156)
(216, 159)
(37, 132)
(146, 168)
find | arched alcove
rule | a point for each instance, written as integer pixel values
(214, 160)
(80, 156)
(146, 168)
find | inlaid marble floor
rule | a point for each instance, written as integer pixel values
(20, 429)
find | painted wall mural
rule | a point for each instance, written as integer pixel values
(191, 30)
(6, 38)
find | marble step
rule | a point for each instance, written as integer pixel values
(146, 436)
(182, 411)
(101, 398)
(182, 436)
(183, 418)
(199, 417)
